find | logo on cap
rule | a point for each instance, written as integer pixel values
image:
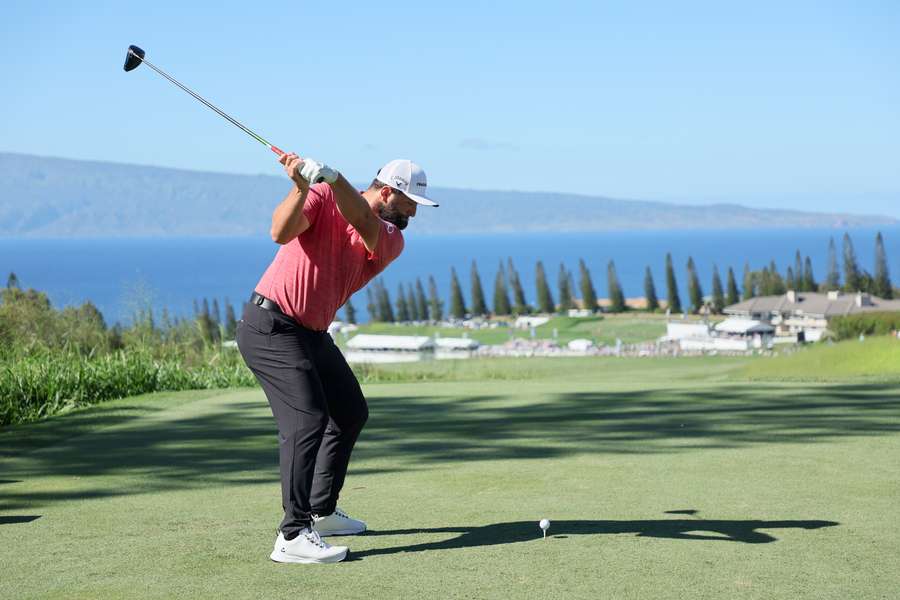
(399, 181)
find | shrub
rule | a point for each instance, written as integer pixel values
(873, 323)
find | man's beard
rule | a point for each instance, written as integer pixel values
(392, 215)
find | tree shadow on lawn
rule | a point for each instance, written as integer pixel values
(13, 519)
(525, 531)
(235, 442)
(637, 421)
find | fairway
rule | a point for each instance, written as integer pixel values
(662, 478)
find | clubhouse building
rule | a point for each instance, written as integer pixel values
(806, 314)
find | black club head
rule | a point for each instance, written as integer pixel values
(133, 58)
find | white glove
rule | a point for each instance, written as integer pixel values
(316, 172)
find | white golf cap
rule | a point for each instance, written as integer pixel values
(407, 177)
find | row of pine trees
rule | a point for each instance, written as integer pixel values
(413, 304)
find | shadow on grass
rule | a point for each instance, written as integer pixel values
(9, 520)
(217, 441)
(747, 532)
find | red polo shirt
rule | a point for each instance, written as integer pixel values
(316, 272)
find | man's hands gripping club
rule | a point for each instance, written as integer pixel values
(288, 220)
(304, 171)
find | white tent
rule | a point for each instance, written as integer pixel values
(405, 343)
(682, 330)
(580, 345)
(456, 344)
(736, 325)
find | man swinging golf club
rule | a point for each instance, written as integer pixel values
(334, 241)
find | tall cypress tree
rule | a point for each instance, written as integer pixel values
(673, 299)
(501, 293)
(572, 287)
(379, 301)
(776, 286)
(479, 306)
(421, 303)
(544, 297)
(457, 303)
(695, 292)
(749, 283)
(799, 278)
(809, 281)
(851, 267)
(12, 282)
(718, 296)
(731, 294)
(764, 287)
(209, 330)
(349, 312)
(216, 314)
(402, 308)
(789, 281)
(565, 291)
(412, 306)
(881, 283)
(384, 303)
(230, 321)
(520, 305)
(650, 291)
(588, 294)
(833, 280)
(371, 305)
(616, 296)
(435, 306)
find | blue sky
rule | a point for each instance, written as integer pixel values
(767, 103)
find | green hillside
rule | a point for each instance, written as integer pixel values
(631, 328)
(876, 358)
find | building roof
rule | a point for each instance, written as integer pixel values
(813, 304)
(743, 326)
(365, 341)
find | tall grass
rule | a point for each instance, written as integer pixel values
(36, 386)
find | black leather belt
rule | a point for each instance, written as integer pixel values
(263, 302)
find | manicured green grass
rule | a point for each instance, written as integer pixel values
(663, 478)
(631, 328)
(874, 359)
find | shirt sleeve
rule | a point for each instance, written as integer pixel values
(390, 245)
(319, 194)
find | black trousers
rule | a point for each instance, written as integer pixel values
(317, 403)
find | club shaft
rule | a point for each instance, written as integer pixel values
(221, 113)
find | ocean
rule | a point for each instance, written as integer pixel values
(121, 275)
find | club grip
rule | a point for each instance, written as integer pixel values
(276, 150)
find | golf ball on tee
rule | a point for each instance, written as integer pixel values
(545, 524)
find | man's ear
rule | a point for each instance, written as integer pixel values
(385, 192)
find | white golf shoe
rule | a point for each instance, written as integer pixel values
(307, 547)
(338, 523)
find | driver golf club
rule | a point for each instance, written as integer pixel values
(135, 56)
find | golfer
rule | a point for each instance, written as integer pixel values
(333, 239)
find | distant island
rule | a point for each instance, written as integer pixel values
(55, 197)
